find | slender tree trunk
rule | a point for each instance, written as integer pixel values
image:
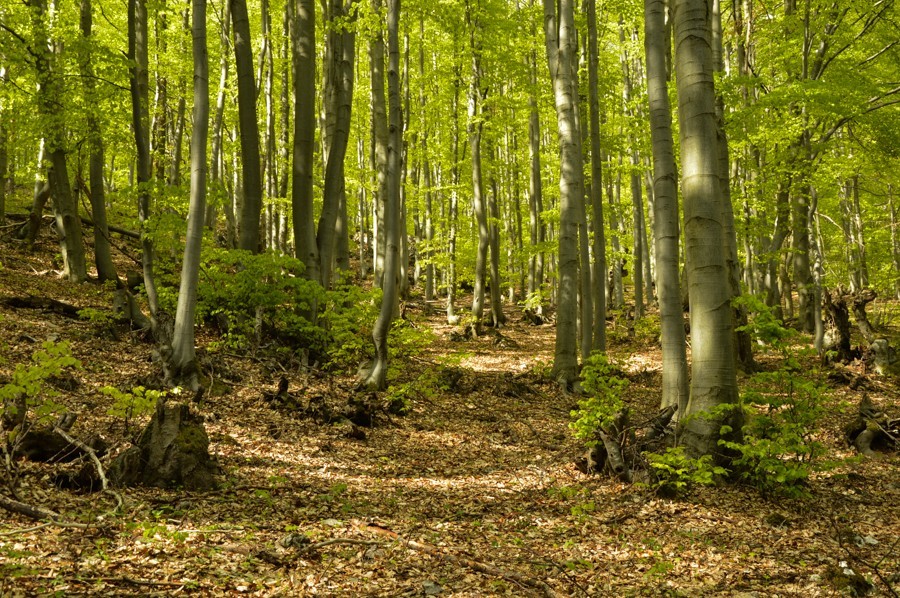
(140, 124)
(598, 274)
(106, 270)
(560, 34)
(342, 40)
(50, 94)
(4, 150)
(183, 355)
(304, 65)
(895, 242)
(535, 190)
(250, 161)
(217, 161)
(713, 379)
(666, 229)
(377, 379)
(379, 143)
(498, 319)
(452, 212)
(475, 128)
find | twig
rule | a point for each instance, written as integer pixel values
(38, 513)
(858, 559)
(518, 578)
(328, 542)
(15, 532)
(88, 450)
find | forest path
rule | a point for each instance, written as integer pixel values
(480, 470)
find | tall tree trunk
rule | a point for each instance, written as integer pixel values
(106, 270)
(598, 274)
(250, 162)
(498, 319)
(4, 150)
(377, 378)
(895, 241)
(560, 34)
(535, 189)
(743, 344)
(665, 206)
(452, 212)
(379, 143)
(140, 124)
(713, 379)
(217, 161)
(183, 356)
(304, 64)
(342, 40)
(50, 94)
(475, 128)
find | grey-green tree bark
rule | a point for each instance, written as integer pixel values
(106, 270)
(666, 228)
(303, 167)
(377, 378)
(250, 162)
(560, 32)
(598, 274)
(183, 355)
(713, 377)
(140, 125)
(50, 96)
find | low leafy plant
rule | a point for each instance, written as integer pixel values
(27, 400)
(604, 388)
(674, 472)
(133, 404)
(782, 410)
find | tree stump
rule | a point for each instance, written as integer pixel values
(838, 321)
(173, 451)
(872, 430)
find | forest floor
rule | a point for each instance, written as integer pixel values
(472, 493)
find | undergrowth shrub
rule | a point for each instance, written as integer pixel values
(604, 387)
(27, 400)
(782, 413)
(674, 473)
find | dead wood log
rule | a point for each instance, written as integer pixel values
(860, 300)
(43, 303)
(837, 316)
(30, 511)
(872, 430)
(659, 423)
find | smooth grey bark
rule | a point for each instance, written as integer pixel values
(428, 255)
(895, 242)
(498, 319)
(183, 359)
(50, 96)
(535, 189)
(453, 210)
(474, 128)
(713, 377)
(598, 273)
(304, 65)
(377, 378)
(217, 160)
(560, 32)
(665, 207)
(140, 125)
(248, 238)
(177, 142)
(743, 342)
(379, 143)
(342, 41)
(106, 270)
(4, 150)
(616, 289)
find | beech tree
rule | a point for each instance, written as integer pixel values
(713, 378)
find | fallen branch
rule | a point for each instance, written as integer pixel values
(38, 514)
(331, 541)
(518, 578)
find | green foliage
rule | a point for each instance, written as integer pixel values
(348, 316)
(762, 325)
(252, 294)
(134, 404)
(782, 409)
(675, 472)
(604, 389)
(28, 388)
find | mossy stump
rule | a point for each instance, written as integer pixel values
(173, 451)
